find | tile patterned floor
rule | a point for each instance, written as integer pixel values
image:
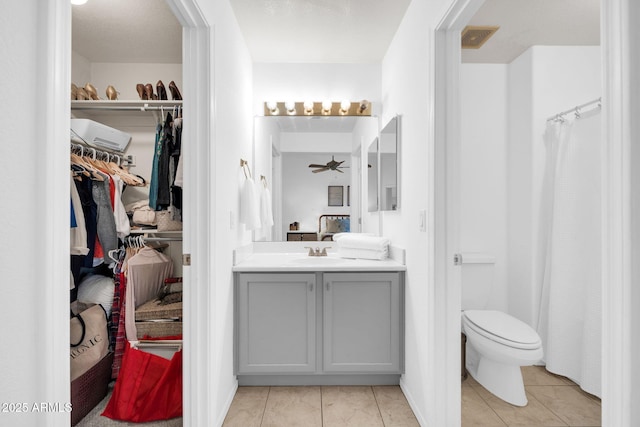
(336, 406)
(553, 401)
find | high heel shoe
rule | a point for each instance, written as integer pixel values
(141, 92)
(91, 90)
(148, 88)
(175, 93)
(82, 94)
(162, 92)
(74, 92)
(112, 93)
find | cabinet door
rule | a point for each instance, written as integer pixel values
(276, 323)
(362, 327)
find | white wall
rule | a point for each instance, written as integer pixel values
(407, 89)
(24, 365)
(233, 139)
(483, 166)
(543, 81)
(317, 82)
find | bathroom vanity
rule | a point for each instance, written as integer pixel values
(302, 320)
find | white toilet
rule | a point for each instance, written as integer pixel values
(497, 343)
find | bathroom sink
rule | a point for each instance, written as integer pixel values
(312, 260)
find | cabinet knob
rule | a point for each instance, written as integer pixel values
(310, 287)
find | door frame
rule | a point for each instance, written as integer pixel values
(54, 45)
(616, 277)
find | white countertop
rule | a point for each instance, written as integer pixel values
(296, 259)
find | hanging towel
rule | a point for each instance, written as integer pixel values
(249, 212)
(266, 211)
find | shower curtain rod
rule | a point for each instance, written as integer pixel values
(576, 110)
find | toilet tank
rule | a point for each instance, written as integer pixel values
(477, 277)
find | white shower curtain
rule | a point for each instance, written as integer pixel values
(570, 306)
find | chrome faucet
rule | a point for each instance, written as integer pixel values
(317, 251)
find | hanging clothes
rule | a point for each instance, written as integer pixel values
(153, 185)
(164, 170)
(146, 272)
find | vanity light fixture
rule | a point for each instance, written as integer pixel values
(344, 107)
(325, 108)
(272, 106)
(308, 108)
(290, 106)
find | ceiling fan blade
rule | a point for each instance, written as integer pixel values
(320, 170)
(339, 170)
(317, 166)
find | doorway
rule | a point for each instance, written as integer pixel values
(448, 183)
(197, 92)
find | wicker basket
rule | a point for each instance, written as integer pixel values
(158, 329)
(90, 388)
(152, 310)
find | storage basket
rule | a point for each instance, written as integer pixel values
(90, 388)
(156, 320)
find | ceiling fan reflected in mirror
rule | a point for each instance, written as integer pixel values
(332, 165)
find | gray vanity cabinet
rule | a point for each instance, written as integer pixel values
(308, 328)
(276, 330)
(362, 322)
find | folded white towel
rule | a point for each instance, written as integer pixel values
(362, 241)
(362, 253)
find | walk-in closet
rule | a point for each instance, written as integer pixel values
(126, 185)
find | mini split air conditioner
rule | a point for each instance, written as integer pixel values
(99, 136)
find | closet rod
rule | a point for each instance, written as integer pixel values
(88, 150)
(576, 110)
(125, 105)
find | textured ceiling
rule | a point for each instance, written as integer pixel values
(126, 31)
(323, 31)
(319, 31)
(524, 23)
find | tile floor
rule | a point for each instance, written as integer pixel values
(553, 401)
(334, 406)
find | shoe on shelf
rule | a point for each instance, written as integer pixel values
(175, 93)
(74, 92)
(141, 91)
(82, 94)
(162, 91)
(91, 90)
(148, 89)
(112, 93)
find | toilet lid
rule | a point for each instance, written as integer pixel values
(503, 328)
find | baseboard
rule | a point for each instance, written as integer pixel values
(227, 404)
(418, 414)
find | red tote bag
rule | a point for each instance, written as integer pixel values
(148, 388)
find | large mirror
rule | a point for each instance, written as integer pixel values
(313, 169)
(389, 167)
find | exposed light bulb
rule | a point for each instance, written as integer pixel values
(273, 107)
(326, 107)
(291, 107)
(344, 107)
(308, 107)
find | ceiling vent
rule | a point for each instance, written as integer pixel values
(475, 37)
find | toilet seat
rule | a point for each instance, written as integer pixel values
(502, 328)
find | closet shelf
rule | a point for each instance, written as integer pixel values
(133, 105)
